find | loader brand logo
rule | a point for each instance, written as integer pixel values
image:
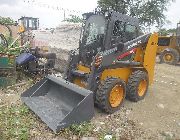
(107, 52)
(134, 44)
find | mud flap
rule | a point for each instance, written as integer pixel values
(59, 103)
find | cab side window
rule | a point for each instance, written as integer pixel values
(124, 31)
(130, 32)
(118, 29)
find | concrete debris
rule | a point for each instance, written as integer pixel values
(102, 123)
(160, 106)
(97, 129)
(74, 137)
(179, 124)
(89, 138)
(169, 134)
(108, 137)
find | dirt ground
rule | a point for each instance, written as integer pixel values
(155, 117)
(160, 110)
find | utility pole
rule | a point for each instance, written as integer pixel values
(64, 14)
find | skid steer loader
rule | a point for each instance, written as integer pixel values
(111, 63)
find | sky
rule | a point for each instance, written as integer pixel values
(51, 12)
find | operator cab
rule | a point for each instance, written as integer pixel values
(28, 23)
(102, 32)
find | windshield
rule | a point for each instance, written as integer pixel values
(95, 26)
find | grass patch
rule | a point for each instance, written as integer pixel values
(15, 122)
(81, 130)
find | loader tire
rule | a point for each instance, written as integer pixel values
(110, 95)
(137, 86)
(170, 56)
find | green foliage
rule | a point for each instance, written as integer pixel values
(149, 12)
(82, 129)
(74, 19)
(11, 50)
(6, 21)
(15, 122)
(116, 5)
(165, 32)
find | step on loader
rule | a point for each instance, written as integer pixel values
(112, 62)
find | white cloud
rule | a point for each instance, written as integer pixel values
(173, 14)
(49, 17)
(45, 10)
(8, 2)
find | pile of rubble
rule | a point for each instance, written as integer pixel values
(61, 40)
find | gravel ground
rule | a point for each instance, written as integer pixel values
(155, 117)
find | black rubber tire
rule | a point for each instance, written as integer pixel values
(133, 83)
(103, 92)
(173, 52)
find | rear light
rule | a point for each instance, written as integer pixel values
(98, 60)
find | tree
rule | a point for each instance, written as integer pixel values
(150, 12)
(116, 5)
(165, 32)
(74, 19)
(6, 21)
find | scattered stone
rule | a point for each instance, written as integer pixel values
(89, 138)
(179, 124)
(160, 106)
(102, 123)
(60, 138)
(97, 129)
(10, 91)
(128, 112)
(74, 137)
(141, 123)
(58, 75)
(108, 116)
(119, 130)
(18, 85)
(168, 134)
(108, 137)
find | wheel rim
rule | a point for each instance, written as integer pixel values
(116, 96)
(168, 57)
(142, 87)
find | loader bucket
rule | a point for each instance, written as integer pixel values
(59, 103)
